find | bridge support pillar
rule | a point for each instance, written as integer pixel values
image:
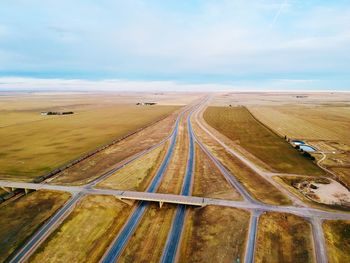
(160, 204)
(13, 189)
(7, 189)
(26, 190)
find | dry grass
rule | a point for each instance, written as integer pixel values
(240, 126)
(173, 178)
(115, 155)
(256, 185)
(283, 237)
(208, 180)
(87, 232)
(337, 235)
(30, 149)
(137, 175)
(214, 234)
(307, 122)
(148, 241)
(20, 218)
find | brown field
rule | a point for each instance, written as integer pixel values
(138, 174)
(283, 237)
(337, 235)
(239, 125)
(265, 192)
(174, 175)
(148, 241)
(87, 232)
(20, 218)
(109, 158)
(330, 123)
(324, 126)
(35, 146)
(214, 234)
(209, 182)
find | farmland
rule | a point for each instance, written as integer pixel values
(116, 154)
(283, 238)
(324, 126)
(33, 145)
(86, 233)
(214, 233)
(337, 235)
(240, 126)
(22, 217)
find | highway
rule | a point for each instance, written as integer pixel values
(77, 192)
(250, 248)
(35, 241)
(172, 243)
(313, 215)
(121, 240)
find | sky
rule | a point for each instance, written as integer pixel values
(175, 45)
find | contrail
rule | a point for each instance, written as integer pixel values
(283, 4)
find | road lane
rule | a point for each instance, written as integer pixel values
(123, 237)
(45, 230)
(172, 243)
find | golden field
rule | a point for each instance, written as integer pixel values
(20, 218)
(33, 145)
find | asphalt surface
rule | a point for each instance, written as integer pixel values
(315, 216)
(45, 230)
(172, 244)
(128, 229)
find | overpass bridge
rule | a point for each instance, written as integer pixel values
(121, 195)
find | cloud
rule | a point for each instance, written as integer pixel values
(196, 39)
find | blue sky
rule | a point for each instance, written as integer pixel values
(242, 45)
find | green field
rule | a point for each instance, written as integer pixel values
(240, 126)
(35, 147)
(20, 218)
(337, 235)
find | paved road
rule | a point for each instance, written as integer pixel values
(45, 230)
(266, 175)
(250, 248)
(319, 241)
(174, 236)
(314, 215)
(128, 229)
(77, 192)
